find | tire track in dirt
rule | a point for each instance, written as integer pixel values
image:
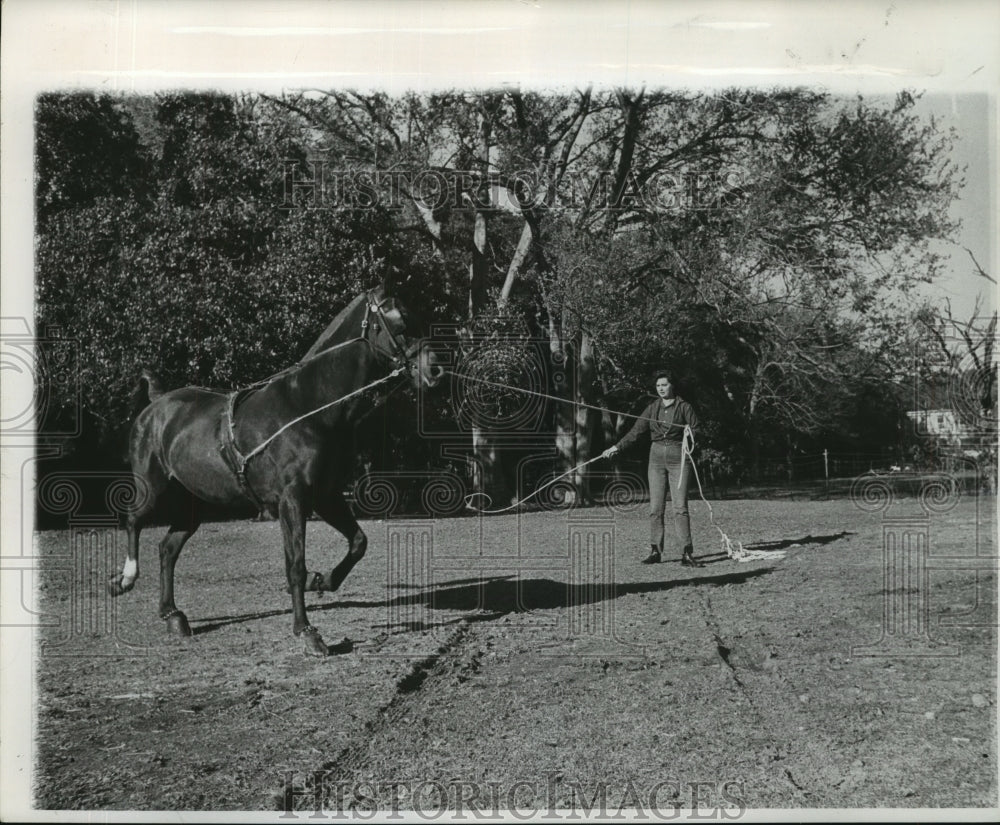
(779, 726)
(780, 713)
(723, 650)
(351, 759)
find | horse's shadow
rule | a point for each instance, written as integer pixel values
(487, 599)
(781, 544)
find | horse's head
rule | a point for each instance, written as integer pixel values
(388, 329)
(386, 325)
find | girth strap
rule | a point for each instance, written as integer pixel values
(231, 454)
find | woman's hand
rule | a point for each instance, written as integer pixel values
(609, 452)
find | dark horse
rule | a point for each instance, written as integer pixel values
(281, 446)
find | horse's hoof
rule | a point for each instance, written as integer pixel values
(314, 645)
(115, 586)
(177, 624)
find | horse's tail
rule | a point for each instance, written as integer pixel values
(147, 389)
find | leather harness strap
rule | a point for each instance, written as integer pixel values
(237, 462)
(230, 452)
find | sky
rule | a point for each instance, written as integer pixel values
(971, 115)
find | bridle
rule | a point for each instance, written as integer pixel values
(378, 316)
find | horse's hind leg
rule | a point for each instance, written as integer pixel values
(335, 512)
(148, 489)
(292, 515)
(185, 516)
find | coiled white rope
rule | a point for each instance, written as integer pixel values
(733, 549)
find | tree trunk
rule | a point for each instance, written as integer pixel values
(755, 460)
(520, 255)
(487, 470)
(753, 431)
(488, 474)
(611, 424)
(488, 477)
(565, 419)
(586, 418)
(478, 268)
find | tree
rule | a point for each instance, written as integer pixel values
(470, 146)
(86, 148)
(763, 244)
(807, 245)
(959, 359)
(204, 279)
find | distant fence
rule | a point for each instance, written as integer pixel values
(444, 492)
(832, 473)
(829, 465)
(393, 494)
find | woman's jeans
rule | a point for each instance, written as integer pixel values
(668, 466)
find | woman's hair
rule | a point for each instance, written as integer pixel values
(664, 373)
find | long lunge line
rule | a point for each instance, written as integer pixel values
(469, 498)
(733, 549)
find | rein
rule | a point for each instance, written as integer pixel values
(294, 421)
(469, 498)
(400, 355)
(542, 395)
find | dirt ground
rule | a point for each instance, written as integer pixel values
(529, 661)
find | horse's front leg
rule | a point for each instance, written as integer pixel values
(292, 515)
(334, 511)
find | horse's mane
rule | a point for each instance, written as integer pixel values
(338, 329)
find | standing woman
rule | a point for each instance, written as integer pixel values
(665, 420)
